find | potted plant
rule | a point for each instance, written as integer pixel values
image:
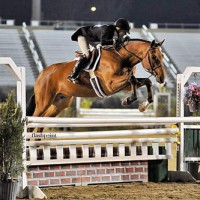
(11, 146)
(192, 97)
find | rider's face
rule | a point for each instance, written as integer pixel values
(121, 33)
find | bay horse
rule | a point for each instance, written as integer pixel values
(116, 68)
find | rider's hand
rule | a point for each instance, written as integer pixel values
(117, 42)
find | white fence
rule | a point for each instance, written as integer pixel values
(95, 146)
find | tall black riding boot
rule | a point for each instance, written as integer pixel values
(77, 68)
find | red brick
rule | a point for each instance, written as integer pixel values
(61, 173)
(54, 181)
(120, 170)
(135, 177)
(95, 165)
(135, 163)
(43, 182)
(110, 171)
(70, 173)
(81, 172)
(85, 165)
(44, 167)
(129, 169)
(139, 169)
(38, 175)
(86, 179)
(49, 174)
(75, 166)
(32, 182)
(65, 166)
(115, 178)
(125, 163)
(105, 178)
(125, 177)
(91, 171)
(65, 180)
(106, 164)
(143, 176)
(143, 162)
(32, 168)
(76, 180)
(101, 171)
(55, 167)
(96, 179)
(116, 164)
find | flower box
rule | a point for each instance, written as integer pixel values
(192, 97)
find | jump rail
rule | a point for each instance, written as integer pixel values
(95, 122)
(96, 146)
(160, 120)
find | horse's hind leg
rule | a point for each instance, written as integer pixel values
(60, 103)
(43, 101)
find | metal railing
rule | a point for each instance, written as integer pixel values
(175, 25)
(69, 24)
(32, 47)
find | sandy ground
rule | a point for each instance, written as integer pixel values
(126, 191)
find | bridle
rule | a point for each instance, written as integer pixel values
(152, 68)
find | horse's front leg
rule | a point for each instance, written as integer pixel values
(133, 83)
(145, 81)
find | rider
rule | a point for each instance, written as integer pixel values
(100, 33)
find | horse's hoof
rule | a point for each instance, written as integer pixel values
(124, 102)
(150, 101)
(128, 101)
(143, 106)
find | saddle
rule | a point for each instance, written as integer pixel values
(91, 67)
(94, 58)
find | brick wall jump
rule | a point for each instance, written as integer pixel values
(84, 174)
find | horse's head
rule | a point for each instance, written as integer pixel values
(153, 61)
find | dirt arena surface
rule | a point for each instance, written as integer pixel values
(126, 191)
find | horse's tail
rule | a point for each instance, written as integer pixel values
(30, 108)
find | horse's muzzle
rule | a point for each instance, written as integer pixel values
(160, 79)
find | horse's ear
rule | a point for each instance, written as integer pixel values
(160, 43)
(153, 43)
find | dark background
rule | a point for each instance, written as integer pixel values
(138, 11)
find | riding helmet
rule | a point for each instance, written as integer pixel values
(123, 24)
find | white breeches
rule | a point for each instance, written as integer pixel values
(84, 45)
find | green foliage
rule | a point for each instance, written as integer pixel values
(11, 138)
(85, 103)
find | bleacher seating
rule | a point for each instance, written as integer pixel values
(55, 45)
(12, 46)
